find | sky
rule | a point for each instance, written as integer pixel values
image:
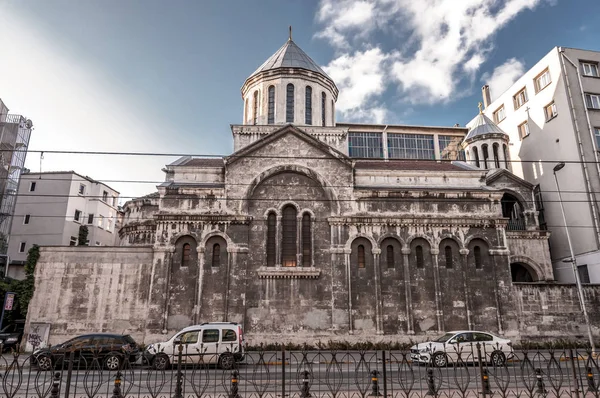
(165, 76)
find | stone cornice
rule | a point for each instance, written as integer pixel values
(541, 235)
(211, 218)
(288, 273)
(137, 228)
(419, 221)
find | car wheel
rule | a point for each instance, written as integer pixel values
(440, 360)
(498, 358)
(226, 361)
(161, 362)
(44, 362)
(112, 362)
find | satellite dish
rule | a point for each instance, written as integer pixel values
(29, 123)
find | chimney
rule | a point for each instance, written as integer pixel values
(485, 92)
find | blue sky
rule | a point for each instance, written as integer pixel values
(158, 76)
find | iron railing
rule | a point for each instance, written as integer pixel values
(302, 374)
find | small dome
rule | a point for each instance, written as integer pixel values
(482, 126)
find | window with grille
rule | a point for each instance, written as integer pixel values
(216, 255)
(477, 255)
(289, 104)
(308, 106)
(476, 156)
(306, 241)
(390, 256)
(484, 149)
(323, 108)
(255, 108)
(271, 111)
(520, 98)
(496, 155)
(542, 81)
(410, 146)
(419, 256)
(186, 254)
(289, 238)
(271, 236)
(590, 69)
(365, 145)
(592, 101)
(499, 114)
(448, 255)
(361, 256)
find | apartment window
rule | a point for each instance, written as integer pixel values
(499, 114)
(542, 81)
(584, 275)
(105, 196)
(592, 101)
(308, 105)
(26, 219)
(77, 216)
(100, 221)
(523, 130)
(520, 98)
(114, 201)
(590, 69)
(90, 218)
(550, 111)
(410, 146)
(597, 134)
(271, 111)
(365, 145)
(22, 247)
(289, 104)
(109, 224)
(32, 186)
(73, 241)
(81, 189)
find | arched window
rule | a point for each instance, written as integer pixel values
(271, 236)
(505, 149)
(496, 156)
(308, 106)
(390, 256)
(448, 253)
(477, 255)
(255, 108)
(419, 255)
(246, 111)
(476, 156)
(361, 256)
(216, 255)
(288, 239)
(332, 113)
(271, 105)
(185, 255)
(486, 156)
(306, 241)
(323, 105)
(289, 104)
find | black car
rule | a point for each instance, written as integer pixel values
(106, 350)
(11, 335)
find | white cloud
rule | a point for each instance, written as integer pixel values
(503, 77)
(449, 40)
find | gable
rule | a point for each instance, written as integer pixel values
(502, 177)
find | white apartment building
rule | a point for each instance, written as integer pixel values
(50, 208)
(552, 115)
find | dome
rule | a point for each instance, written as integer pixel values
(482, 126)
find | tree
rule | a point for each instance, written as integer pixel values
(25, 288)
(83, 234)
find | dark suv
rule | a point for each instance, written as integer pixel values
(11, 335)
(108, 350)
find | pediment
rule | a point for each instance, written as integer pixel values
(500, 175)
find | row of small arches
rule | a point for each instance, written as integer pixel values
(486, 158)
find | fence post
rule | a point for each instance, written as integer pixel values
(117, 390)
(483, 373)
(384, 373)
(305, 391)
(234, 385)
(55, 385)
(375, 384)
(541, 388)
(178, 385)
(575, 376)
(283, 372)
(69, 372)
(431, 390)
(590, 380)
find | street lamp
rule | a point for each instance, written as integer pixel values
(573, 260)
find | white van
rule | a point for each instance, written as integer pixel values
(209, 343)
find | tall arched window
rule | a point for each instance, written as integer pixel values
(271, 236)
(288, 239)
(419, 255)
(361, 256)
(477, 255)
(289, 104)
(306, 241)
(390, 256)
(216, 255)
(496, 156)
(448, 253)
(308, 106)
(323, 108)
(486, 156)
(271, 106)
(505, 150)
(246, 111)
(332, 113)
(476, 156)
(255, 108)
(185, 257)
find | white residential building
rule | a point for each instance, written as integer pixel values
(51, 207)
(552, 115)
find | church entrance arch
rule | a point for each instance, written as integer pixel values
(521, 272)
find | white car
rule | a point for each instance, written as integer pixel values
(461, 345)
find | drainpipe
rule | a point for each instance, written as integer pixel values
(578, 135)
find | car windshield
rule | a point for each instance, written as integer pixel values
(444, 338)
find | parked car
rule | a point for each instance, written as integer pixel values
(220, 343)
(447, 349)
(11, 335)
(111, 350)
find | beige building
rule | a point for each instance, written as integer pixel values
(552, 114)
(51, 207)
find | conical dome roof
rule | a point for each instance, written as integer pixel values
(483, 125)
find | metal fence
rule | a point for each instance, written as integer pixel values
(303, 374)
